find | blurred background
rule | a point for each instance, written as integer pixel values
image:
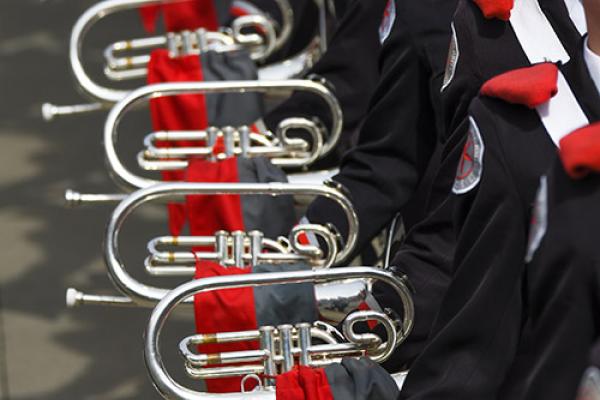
(46, 350)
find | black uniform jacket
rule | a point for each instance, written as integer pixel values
(399, 133)
(485, 48)
(351, 66)
(563, 292)
(475, 335)
(306, 20)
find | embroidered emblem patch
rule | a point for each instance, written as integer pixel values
(389, 16)
(452, 60)
(539, 220)
(468, 172)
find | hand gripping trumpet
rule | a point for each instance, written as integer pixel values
(238, 249)
(120, 67)
(282, 150)
(280, 347)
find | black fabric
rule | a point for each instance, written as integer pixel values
(306, 16)
(399, 134)
(479, 40)
(353, 52)
(426, 255)
(477, 330)
(223, 8)
(562, 294)
(231, 109)
(361, 379)
(273, 215)
(284, 304)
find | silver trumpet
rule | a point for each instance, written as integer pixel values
(119, 67)
(280, 347)
(235, 249)
(284, 151)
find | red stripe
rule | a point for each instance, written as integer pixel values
(210, 213)
(224, 311)
(187, 112)
(303, 383)
(181, 15)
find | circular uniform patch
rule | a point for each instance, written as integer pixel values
(389, 16)
(468, 172)
(539, 220)
(452, 60)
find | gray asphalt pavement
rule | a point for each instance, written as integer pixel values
(46, 350)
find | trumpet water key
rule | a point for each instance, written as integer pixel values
(281, 347)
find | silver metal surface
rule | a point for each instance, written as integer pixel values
(130, 180)
(147, 295)
(119, 69)
(170, 389)
(174, 255)
(282, 150)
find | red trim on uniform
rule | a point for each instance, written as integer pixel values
(184, 112)
(227, 310)
(580, 151)
(181, 15)
(303, 383)
(495, 8)
(529, 86)
(210, 213)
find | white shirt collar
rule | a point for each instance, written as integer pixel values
(577, 15)
(592, 61)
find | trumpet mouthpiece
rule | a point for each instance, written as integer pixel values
(48, 111)
(73, 297)
(72, 198)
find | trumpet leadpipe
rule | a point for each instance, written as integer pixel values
(51, 111)
(75, 298)
(74, 198)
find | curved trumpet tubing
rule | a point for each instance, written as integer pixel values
(130, 180)
(295, 342)
(122, 66)
(279, 148)
(104, 8)
(238, 249)
(278, 345)
(146, 295)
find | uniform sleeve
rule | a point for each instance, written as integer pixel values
(353, 52)
(461, 80)
(395, 142)
(476, 331)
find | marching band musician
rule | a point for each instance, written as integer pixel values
(514, 127)
(426, 254)
(401, 129)
(478, 327)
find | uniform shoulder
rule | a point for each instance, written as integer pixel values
(580, 151)
(530, 86)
